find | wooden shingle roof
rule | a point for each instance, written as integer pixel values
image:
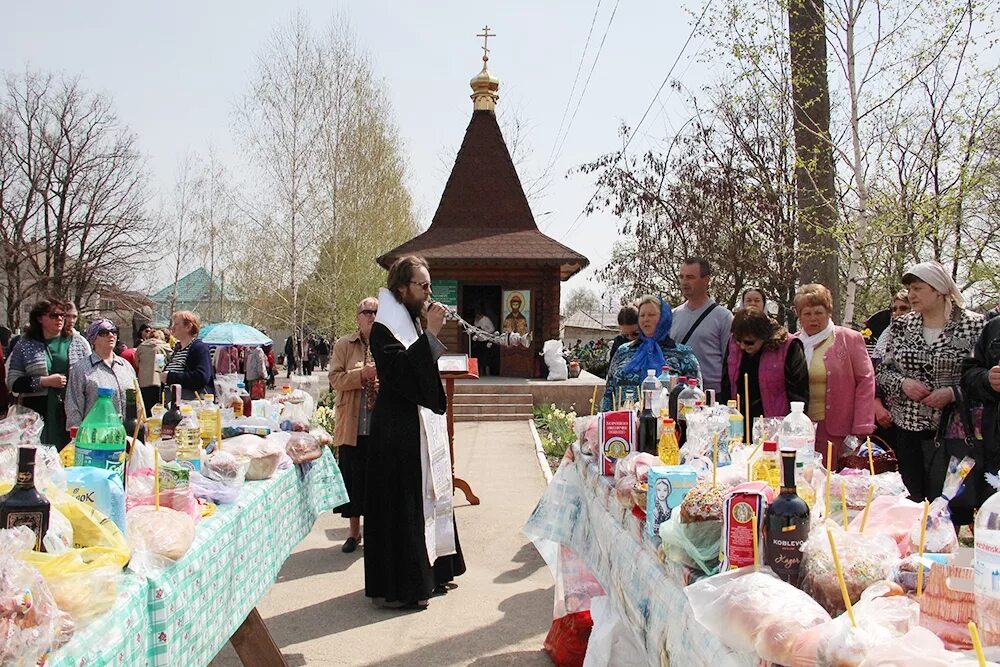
(483, 216)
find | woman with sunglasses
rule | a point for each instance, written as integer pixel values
(102, 369)
(39, 366)
(773, 361)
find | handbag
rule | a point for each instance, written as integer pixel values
(958, 435)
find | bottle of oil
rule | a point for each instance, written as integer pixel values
(208, 420)
(667, 448)
(767, 467)
(188, 437)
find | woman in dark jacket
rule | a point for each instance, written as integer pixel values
(981, 381)
(191, 365)
(773, 361)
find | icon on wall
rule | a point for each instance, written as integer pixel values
(517, 311)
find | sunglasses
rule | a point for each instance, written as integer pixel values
(747, 343)
(900, 309)
(368, 312)
(107, 332)
(56, 316)
(426, 286)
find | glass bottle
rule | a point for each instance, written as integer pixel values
(786, 525)
(647, 418)
(767, 467)
(23, 505)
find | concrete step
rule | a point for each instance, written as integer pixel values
(490, 418)
(472, 399)
(490, 388)
(494, 408)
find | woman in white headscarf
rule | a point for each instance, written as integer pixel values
(922, 366)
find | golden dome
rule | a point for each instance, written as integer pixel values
(485, 85)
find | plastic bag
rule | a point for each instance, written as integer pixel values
(917, 648)
(164, 532)
(214, 490)
(264, 453)
(321, 435)
(693, 544)
(175, 485)
(566, 642)
(31, 625)
(587, 433)
(754, 611)
(941, 536)
(294, 417)
(880, 622)
(303, 447)
(611, 643)
(226, 468)
(59, 537)
(50, 476)
(101, 489)
(865, 559)
(893, 516)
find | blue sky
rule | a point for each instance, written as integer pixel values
(175, 69)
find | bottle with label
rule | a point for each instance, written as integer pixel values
(23, 505)
(987, 567)
(647, 418)
(188, 439)
(100, 440)
(245, 397)
(688, 398)
(786, 525)
(797, 430)
(663, 395)
(132, 416)
(172, 417)
(767, 467)
(668, 449)
(735, 431)
(209, 421)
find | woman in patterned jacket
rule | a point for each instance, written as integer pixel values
(923, 364)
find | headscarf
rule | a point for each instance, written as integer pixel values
(935, 275)
(648, 353)
(97, 326)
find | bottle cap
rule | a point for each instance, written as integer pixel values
(72, 432)
(650, 374)
(797, 406)
(731, 404)
(692, 382)
(667, 421)
(664, 369)
(105, 391)
(770, 446)
(682, 380)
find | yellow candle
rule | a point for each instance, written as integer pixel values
(977, 643)
(156, 478)
(829, 477)
(871, 458)
(756, 549)
(593, 402)
(715, 458)
(923, 534)
(868, 504)
(840, 578)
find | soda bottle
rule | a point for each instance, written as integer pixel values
(675, 393)
(647, 418)
(987, 567)
(668, 449)
(100, 440)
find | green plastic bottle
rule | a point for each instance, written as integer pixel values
(100, 440)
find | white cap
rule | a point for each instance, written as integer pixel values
(798, 406)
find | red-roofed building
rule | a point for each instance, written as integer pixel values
(485, 250)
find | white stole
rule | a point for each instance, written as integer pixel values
(435, 456)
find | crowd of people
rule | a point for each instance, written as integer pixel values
(931, 370)
(55, 370)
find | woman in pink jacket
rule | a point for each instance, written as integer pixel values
(841, 377)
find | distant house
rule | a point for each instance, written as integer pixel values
(586, 326)
(196, 292)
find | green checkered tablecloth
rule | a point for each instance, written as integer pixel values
(186, 614)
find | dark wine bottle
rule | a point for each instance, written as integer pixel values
(24, 505)
(132, 415)
(172, 417)
(786, 525)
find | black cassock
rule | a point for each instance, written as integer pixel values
(396, 564)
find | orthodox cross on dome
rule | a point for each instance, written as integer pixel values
(486, 34)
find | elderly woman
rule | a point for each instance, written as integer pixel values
(653, 350)
(772, 360)
(102, 369)
(39, 364)
(191, 364)
(753, 297)
(841, 377)
(922, 365)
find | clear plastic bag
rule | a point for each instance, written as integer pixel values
(893, 516)
(214, 490)
(864, 559)
(226, 468)
(693, 544)
(265, 454)
(917, 648)
(31, 625)
(303, 447)
(754, 611)
(941, 537)
(294, 416)
(587, 433)
(164, 532)
(880, 622)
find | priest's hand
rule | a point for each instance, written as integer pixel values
(435, 318)
(994, 377)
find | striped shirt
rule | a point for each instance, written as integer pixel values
(178, 362)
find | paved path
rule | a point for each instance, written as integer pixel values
(498, 615)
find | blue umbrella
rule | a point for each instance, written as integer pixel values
(232, 333)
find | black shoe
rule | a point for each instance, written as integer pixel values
(350, 545)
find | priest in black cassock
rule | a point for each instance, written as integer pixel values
(411, 541)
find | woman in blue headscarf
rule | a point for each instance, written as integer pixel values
(654, 349)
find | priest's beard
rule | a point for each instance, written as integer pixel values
(413, 306)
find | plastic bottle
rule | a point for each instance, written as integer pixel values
(668, 449)
(802, 487)
(647, 418)
(662, 399)
(100, 440)
(209, 420)
(767, 467)
(675, 393)
(245, 397)
(735, 431)
(188, 438)
(987, 567)
(688, 398)
(69, 451)
(797, 430)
